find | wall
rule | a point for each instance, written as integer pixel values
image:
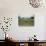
(45, 29)
(14, 8)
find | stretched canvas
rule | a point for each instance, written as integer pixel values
(26, 21)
